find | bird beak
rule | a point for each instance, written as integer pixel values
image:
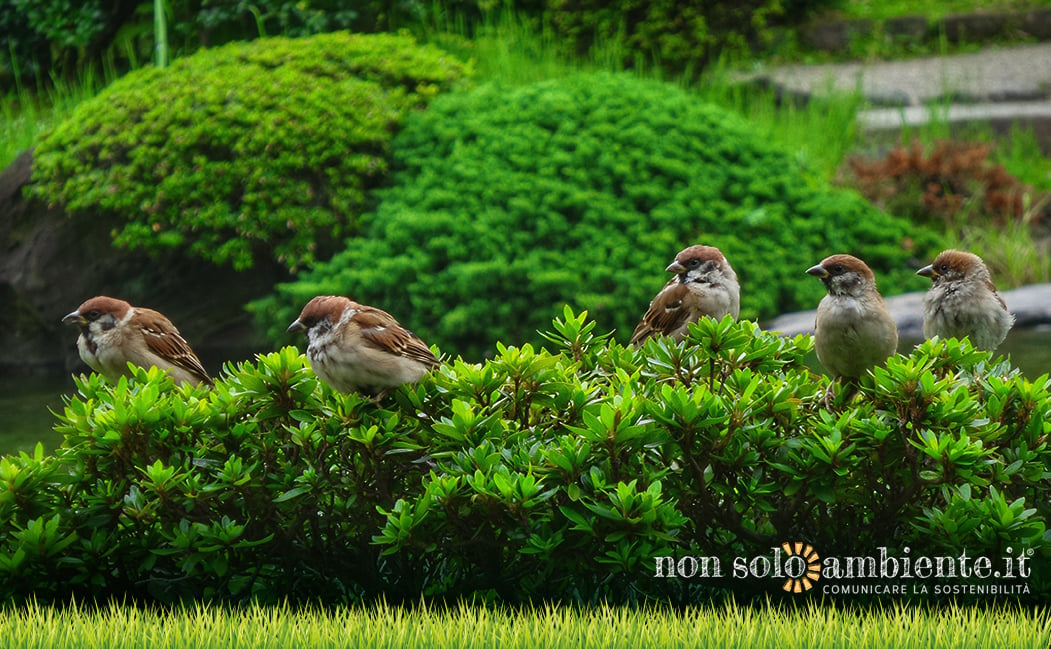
(676, 267)
(927, 271)
(295, 327)
(817, 271)
(75, 318)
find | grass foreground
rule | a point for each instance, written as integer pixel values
(33, 625)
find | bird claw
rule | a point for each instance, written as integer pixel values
(827, 399)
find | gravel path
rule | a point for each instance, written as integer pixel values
(1020, 73)
(998, 86)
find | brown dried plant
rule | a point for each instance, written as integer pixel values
(982, 207)
(955, 180)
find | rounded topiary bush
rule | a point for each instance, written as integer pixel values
(267, 147)
(507, 203)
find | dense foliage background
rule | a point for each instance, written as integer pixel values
(506, 203)
(536, 474)
(59, 38)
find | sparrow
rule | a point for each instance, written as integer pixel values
(962, 301)
(359, 348)
(704, 285)
(853, 331)
(114, 333)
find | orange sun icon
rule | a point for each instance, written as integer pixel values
(803, 567)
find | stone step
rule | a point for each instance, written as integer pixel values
(1031, 306)
(833, 35)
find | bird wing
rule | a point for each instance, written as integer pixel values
(667, 313)
(163, 339)
(999, 298)
(382, 331)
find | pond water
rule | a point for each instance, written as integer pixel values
(27, 403)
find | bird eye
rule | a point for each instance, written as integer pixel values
(693, 263)
(944, 268)
(837, 268)
(93, 314)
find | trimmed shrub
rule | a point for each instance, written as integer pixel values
(507, 203)
(269, 147)
(537, 474)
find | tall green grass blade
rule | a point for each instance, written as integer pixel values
(557, 627)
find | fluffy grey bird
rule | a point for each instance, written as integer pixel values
(962, 301)
(854, 331)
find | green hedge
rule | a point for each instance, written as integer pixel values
(537, 474)
(507, 203)
(57, 38)
(681, 36)
(51, 37)
(265, 148)
(60, 39)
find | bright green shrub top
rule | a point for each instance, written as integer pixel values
(268, 147)
(507, 203)
(536, 474)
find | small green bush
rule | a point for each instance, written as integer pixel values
(507, 203)
(536, 474)
(269, 147)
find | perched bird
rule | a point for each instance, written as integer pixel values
(962, 301)
(354, 347)
(704, 285)
(114, 333)
(854, 331)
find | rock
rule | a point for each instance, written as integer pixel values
(907, 28)
(887, 123)
(976, 27)
(53, 261)
(1031, 306)
(895, 98)
(1037, 23)
(833, 36)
